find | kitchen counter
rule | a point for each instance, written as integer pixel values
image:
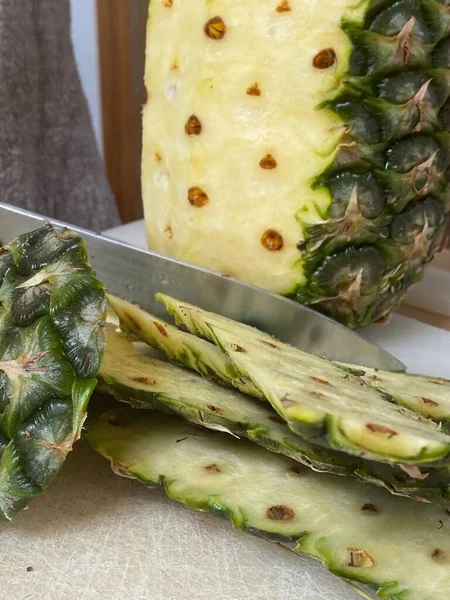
(96, 536)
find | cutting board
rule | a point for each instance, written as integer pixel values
(96, 536)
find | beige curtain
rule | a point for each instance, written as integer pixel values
(49, 160)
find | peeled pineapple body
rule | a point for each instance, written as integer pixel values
(300, 145)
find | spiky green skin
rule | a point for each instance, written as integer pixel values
(146, 383)
(394, 153)
(346, 413)
(391, 541)
(52, 311)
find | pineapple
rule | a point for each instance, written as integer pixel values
(300, 145)
(342, 412)
(425, 395)
(180, 346)
(52, 311)
(397, 547)
(146, 383)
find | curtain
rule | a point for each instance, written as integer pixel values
(49, 159)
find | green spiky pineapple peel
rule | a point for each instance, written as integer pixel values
(52, 312)
(300, 145)
(425, 395)
(344, 412)
(148, 383)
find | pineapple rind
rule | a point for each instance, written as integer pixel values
(345, 414)
(146, 383)
(51, 313)
(179, 346)
(427, 396)
(395, 546)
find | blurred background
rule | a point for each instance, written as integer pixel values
(109, 43)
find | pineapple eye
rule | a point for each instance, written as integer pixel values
(369, 507)
(268, 162)
(254, 90)
(325, 59)
(359, 559)
(284, 6)
(439, 555)
(193, 126)
(197, 197)
(280, 513)
(272, 240)
(215, 28)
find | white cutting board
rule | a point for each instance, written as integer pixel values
(95, 536)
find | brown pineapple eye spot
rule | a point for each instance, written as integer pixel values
(439, 555)
(145, 380)
(161, 329)
(168, 3)
(280, 513)
(237, 348)
(213, 468)
(325, 59)
(197, 197)
(369, 507)
(193, 126)
(321, 381)
(359, 559)
(214, 409)
(284, 6)
(375, 428)
(295, 470)
(268, 162)
(272, 240)
(429, 402)
(254, 90)
(215, 28)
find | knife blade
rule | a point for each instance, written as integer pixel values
(137, 275)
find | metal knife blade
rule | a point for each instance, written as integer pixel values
(136, 275)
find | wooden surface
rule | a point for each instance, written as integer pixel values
(441, 262)
(121, 28)
(425, 316)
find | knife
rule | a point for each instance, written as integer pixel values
(137, 275)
